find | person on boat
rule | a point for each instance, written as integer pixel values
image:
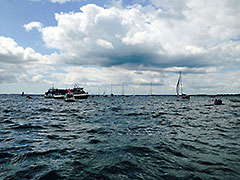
(217, 101)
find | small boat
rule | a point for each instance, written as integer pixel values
(218, 102)
(179, 87)
(29, 97)
(185, 96)
(69, 97)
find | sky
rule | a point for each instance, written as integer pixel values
(140, 45)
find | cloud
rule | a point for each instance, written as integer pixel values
(55, 1)
(104, 44)
(60, 1)
(102, 78)
(137, 45)
(11, 53)
(150, 36)
(18, 64)
(30, 26)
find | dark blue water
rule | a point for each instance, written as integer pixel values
(119, 138)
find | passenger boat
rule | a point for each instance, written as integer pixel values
(56, 93)
(79, 93)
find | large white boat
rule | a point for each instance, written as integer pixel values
(56, 93)
(79, 93)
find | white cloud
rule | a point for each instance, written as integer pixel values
(11, 53)
(104, 44)
(96, 77)
(138, 44)
(144, 36)
(18, 64)
(55, 1)
(60, 1)
(31, 25)
(139, 82)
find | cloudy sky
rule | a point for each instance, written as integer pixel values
(96, 43)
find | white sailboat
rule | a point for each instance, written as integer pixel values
(179, 87)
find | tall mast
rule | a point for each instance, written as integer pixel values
(181, 82)
(178, 84)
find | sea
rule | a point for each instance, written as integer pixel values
(136, 137)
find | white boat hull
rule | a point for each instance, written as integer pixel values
(81, 96)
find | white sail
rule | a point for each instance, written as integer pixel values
(179, 82)
(179, 87)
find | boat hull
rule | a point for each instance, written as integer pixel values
(81, 96)
(185, 97)
(70, 100)
(48, 96)
(58, 96)
(218, 102)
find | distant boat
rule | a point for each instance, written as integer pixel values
(69, 97)
(111, 91)
(151, 94)
(29, 97)
(179, 87)
(79, 93)
(56, 93)
(218, 102)
(22, 94)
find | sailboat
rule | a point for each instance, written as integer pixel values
(179, 87)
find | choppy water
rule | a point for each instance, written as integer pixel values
(119, 138)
